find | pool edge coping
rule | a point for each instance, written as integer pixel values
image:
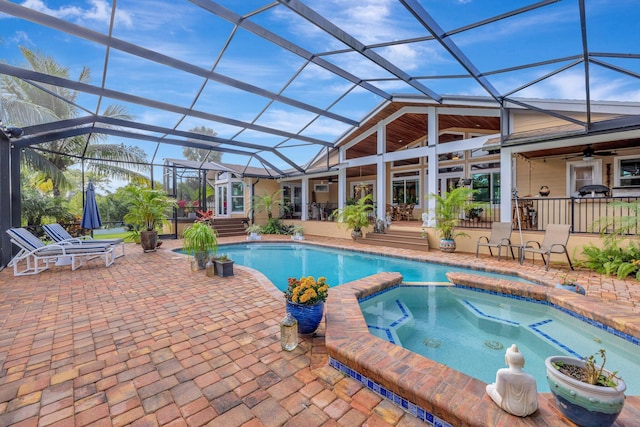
(437, 389)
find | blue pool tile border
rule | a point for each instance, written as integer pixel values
(415, 410)
(629, 338)
(483, 314)
(548, 337)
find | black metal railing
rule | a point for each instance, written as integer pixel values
(324, 211)
(584, 214)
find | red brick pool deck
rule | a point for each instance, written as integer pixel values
(147, 342)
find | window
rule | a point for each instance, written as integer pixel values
(362, 189)
(457, 155)
(237, 197)
(406, 162)
(583, 173)
(485, 179)
(487, 185)
(405, 188)
(628, 172)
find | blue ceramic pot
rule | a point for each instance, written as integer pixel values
(308, 316)
(572, 288)
(585, 404)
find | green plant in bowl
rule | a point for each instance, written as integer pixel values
(200, 240)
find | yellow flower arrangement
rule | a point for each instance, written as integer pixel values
(306, 290)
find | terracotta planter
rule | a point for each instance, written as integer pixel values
(585, 404)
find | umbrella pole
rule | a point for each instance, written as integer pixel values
(517, 212)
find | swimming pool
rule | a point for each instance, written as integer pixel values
(279, 261)
(469, 331)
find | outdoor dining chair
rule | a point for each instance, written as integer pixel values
(37, 256)
(555, 241)
(500, 237)
(58, 234)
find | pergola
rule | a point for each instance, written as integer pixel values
(283, 82)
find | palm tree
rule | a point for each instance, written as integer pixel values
(24, 104)
(200, 154)
(266, 203)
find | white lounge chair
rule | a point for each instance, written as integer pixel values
(59, 235)
(39, 256)
(500, 237)
(555, 241)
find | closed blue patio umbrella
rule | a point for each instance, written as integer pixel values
(90, 214)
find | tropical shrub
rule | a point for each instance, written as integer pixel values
(612, 259)
(448, 208)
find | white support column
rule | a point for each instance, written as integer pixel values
(342, 187)
(507, 184)
(381, 175)
(305, 199)
(432, 142)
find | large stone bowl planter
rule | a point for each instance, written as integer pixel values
(585, 404)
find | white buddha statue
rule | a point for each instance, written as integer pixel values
(425, 220)
(514, 391)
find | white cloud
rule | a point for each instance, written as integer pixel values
(98, 11)
(22, 38)
(571, 86)
(289, 121)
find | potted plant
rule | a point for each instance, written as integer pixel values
(297, 231)
(305, 299)
(267, 203)
(148, 208)
(570, 285)
(355, 216)
(254, 232)
(474, 214)
(586, 393)
(200, 240)
(223, 265)
(448, 211)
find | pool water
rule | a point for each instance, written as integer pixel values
(280, 261)
(470, 331)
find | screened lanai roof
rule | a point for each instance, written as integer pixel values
(281, 82)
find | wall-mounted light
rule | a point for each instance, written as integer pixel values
(11, 132)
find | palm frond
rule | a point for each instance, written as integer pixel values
(38, 162)
(119, 154)
(117, 111)
(19, 112)
(110, 170)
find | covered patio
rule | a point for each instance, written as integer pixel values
(174, 347)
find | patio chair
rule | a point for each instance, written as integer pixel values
(500, 237)
(39, 256)
(406, 212)
(555, 241)
(58, 234)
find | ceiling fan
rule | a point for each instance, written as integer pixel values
(589, 153)
(329, 180)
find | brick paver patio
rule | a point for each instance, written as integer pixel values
(148, 342)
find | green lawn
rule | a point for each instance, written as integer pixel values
(122, 235)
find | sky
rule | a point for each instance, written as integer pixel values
(185, 31)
